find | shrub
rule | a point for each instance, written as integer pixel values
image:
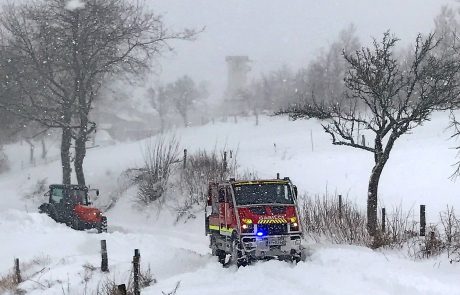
(323, 218)
(159, 158)
(451, 229)
(200, 169)
(204, 167)
(110, 287)
(399, 229)
(9, 285)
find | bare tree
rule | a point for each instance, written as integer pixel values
(324, 76)
(387, 98)
(447, 25)
(70, 51)
(184, 94)
(159, 100)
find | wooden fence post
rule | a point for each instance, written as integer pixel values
(122, 289)
(104, 258)
(17, 271)
(340, 207)
(185, 158)
(311, 139)
(136, 271)
(383, 220)
(225, 161)
(422, 221)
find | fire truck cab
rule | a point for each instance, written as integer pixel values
(253, 220)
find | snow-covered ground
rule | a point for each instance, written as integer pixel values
(417, 173)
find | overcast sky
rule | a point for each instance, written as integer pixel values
(277, 32)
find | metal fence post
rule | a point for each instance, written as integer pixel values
(383, 220)
(422, 221)
(136, 271)
(104, 258)
(340, 207)
(17, 271)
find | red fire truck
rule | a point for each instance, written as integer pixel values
(253, 220)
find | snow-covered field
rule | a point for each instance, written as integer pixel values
(417, 173)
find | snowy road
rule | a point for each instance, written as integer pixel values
(180, 254)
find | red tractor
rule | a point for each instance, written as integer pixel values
(70, 204)
(253, 220)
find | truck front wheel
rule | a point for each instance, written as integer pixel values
(238, 257)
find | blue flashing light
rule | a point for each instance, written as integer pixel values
(260, 234)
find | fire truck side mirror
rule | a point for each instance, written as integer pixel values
(295, 190)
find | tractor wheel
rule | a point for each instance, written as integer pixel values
(75, 223)
(102, 228)
(52, 212)
(43, 208)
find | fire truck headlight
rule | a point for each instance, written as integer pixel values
(247, 228)
(294, 226)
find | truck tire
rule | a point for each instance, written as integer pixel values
(237, 257)
(221, 255)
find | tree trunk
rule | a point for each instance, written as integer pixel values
(162, 123)
(32, 149)
(80, 153)
(372, 199)
(65, 155)
(80, 150)
(381, 157)
(184, 116)
(44, 150)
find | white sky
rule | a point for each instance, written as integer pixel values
(277, 32)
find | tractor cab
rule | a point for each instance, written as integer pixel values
(75, 194)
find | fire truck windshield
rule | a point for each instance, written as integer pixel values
(263, 193)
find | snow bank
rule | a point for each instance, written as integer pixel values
(417, 172)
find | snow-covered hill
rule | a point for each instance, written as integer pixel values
(417, 173)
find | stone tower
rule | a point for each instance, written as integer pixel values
(238, 70)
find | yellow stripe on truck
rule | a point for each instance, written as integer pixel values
(274, 220)
(225, 229)
(214, 227)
